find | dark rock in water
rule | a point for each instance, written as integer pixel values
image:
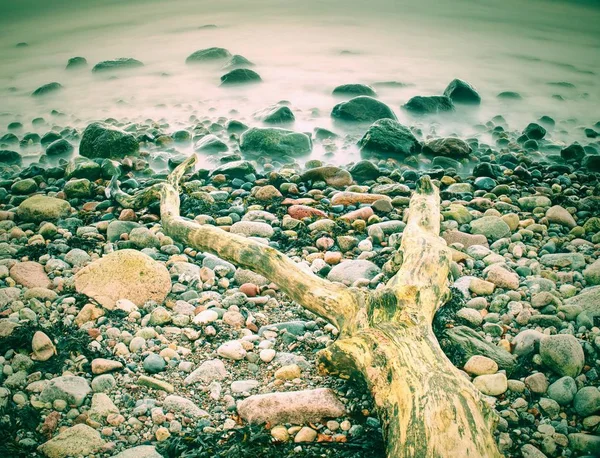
(30, 137)
(47, 89)
(240, 76)
(509, 95)
(15, 125)
(50, 137)
(429, 104)
(76, 62)
(22, 45)
(236, 169)
(354, 89)
(9, 138)
(485, 183)
(387, 137)
(450, 146)
(531, 144)
(534, 131)
(362, 109)
(235, 126)
(210, 144)
(324, 134)
(460, 91)
(273, 141)
(102, 140)
(392, 84)
(591, 163)
(364, 171)
(122, 63)
(277, 114)
(590, 133)
(59, 147)
(208, 55)
(486, 169)
(547, 121)
(181, 136)
(238, 61)
(561, 84)
(446, 163)
(207, 26)
(9, 157)
(573, 152)
(81, 167)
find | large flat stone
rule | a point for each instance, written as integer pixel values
(297, 407)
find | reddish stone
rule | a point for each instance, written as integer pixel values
(90, 206)
(127, 214)
(30, 274)
(301, 201)
(250, 289)
(362, 213)
(303, 211)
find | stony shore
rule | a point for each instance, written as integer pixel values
(116, 340)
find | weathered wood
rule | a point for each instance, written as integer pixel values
(427, 407)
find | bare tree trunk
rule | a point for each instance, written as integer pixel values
(427, 407)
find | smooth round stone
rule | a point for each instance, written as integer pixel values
(267, 355)
(485, 183)
(153, 363)
(563, 354)
(563, 390)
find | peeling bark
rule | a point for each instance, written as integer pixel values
(427, 407)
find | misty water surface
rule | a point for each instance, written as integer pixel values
(302, 50)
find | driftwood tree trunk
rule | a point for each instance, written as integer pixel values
(427, 407)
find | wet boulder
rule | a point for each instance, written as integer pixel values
(76, 63)
(354, 90)
(534, 131)
(509, 95)
(274, 141)
(208, 55)
(210, 144)
(102, 140)
(362, 109)
(47, 89)
(59, 147)
(122, 63)
(460, 91)
(432, 104)
(591, 163)
(238, 61)
(9, 157)
(276, 114)
(450, 147)
(240, 76)
(388, 138)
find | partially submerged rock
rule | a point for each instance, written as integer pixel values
(460, 91)
(388, 138)
(433, 104)
(101, 140)
(47, 89)
(240, 76)
(362, 109)
(122, 63)
(354, 90)
(208, 55)
(274, 141)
